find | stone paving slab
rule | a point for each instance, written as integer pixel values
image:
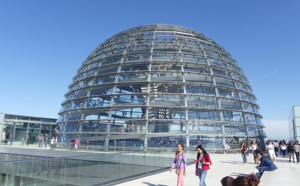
(222, 165)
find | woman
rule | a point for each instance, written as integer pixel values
(291, 151)
(283, 148)
(180, 163)
(244, 150)
(254, 149)
(271, 151)
(76, 144)
(202, 164)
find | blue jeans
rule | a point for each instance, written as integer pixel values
(202, 175)
(263, 169)
(244, 155)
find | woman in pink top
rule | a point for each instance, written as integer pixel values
(76, 143)
(203, 163)
(180, 162)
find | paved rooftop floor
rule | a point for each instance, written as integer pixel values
(222, 165)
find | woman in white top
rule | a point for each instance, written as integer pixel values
(52, 143)
(271, 151)
(254, 149)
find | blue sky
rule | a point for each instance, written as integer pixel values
(43, 43)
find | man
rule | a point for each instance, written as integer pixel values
(265, 165)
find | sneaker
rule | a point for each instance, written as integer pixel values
(289, 160)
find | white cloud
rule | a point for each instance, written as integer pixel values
(276, 129)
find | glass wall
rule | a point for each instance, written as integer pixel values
(25, 129)
(158, 82)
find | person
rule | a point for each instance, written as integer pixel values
(52, 143)
(244, 150)
(46, 141)
(11, 139)
(271, 151)
(121, 128)
(297, 150)
(249, 180)
(76, 144)
(291, 151)
(41, 139)
(132, 127)
(28, 140)
(23, 140)
(254, 149)
(265, 165)
(180, 162)
(72, 143)
(276, 148)
(181, 125)
(227, 181)
(283, 148)
(203, 163)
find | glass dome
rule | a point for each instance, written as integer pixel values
(158, 85)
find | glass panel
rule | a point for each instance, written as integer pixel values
(33, 135)
(202, 102)
(198, 78)
(163, 76)
(193, 59)
(34, 125)
(235, 129)
(243, 87)
(130, 100)
(197, 89)
(224, 82)
(96, 116)
(217, 63)
(136, 67)
(247, 97)
(250, 108)
(75, 115)
(94, 126)
(124, 77)
(228, 93)
(166, 100)
(233, 116)
(102, 90)
(107, 70)
(80, 93)
(221, 72)
(231, 104)
(201, 114)
(166, 113)
(164, 57)
(208, 128)
(165, 88)
(196, 69)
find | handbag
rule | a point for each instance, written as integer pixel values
(177, 170)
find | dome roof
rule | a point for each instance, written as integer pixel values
(159, 81)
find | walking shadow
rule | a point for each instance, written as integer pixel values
(232, 162)
(238, 174)
(151, 184)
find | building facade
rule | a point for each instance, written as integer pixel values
(29, 127)
(294, 123)
(157, 85)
